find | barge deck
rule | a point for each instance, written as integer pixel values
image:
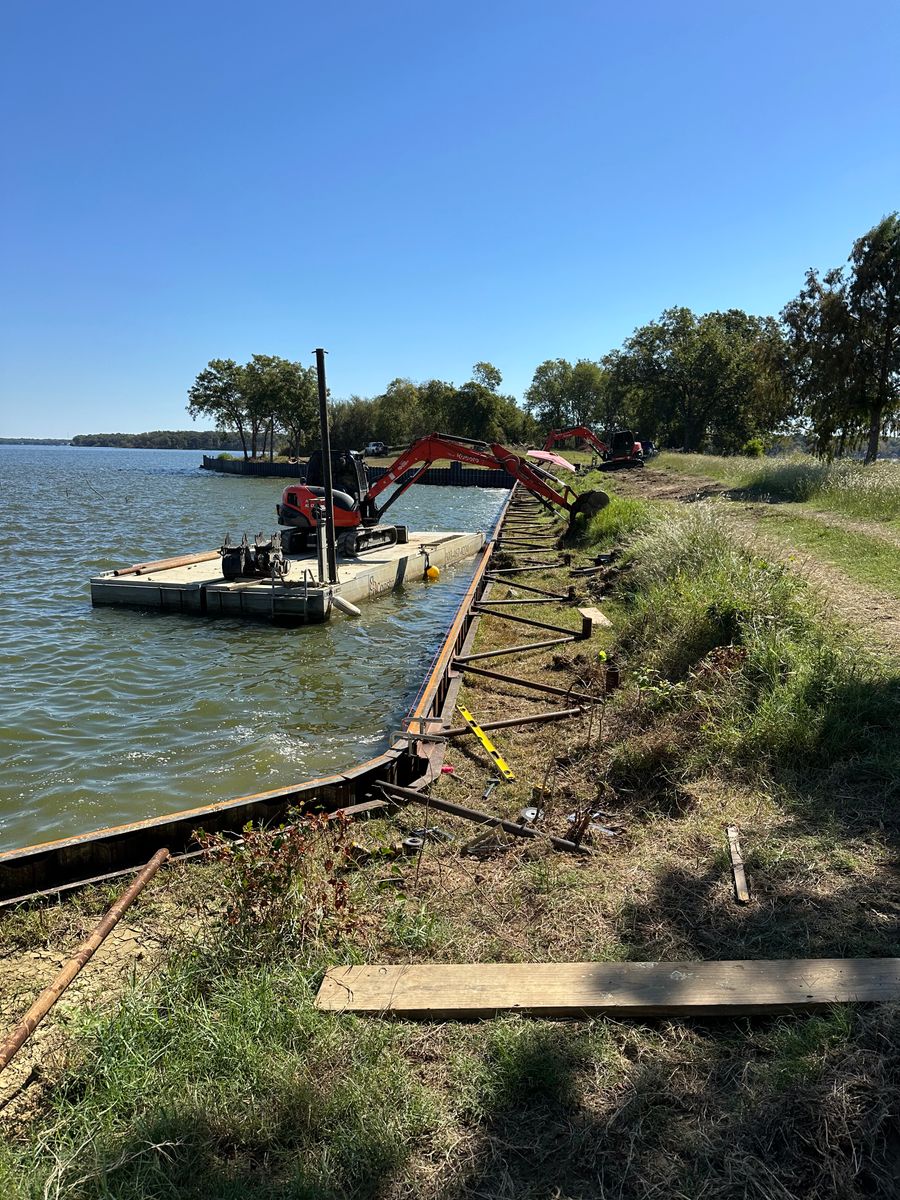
(181, 585)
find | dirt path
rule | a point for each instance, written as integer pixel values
(872, 529)
(874, 613)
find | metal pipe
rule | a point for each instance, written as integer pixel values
(560, 641)
(520, 570)
(162, 564)
(83, 955)
(556, 714)
(530, 683)
(326, 468)
(481, 818)
(528, 587)
(484, 607)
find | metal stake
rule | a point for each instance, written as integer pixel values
(326, 468)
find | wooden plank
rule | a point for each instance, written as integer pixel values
(591, 617)
(741, 891)
(464, 992)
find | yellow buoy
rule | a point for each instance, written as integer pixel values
(433, 573)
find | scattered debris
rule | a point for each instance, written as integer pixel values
(590, 822)
(531, 815)
(492, 783)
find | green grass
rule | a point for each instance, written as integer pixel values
(773, 687)
(870, 560)
(844, 486)
(226, 1083)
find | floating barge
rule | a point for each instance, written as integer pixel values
(194, 583)
(53, 867)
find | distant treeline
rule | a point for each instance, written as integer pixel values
(825, 372)
(163, 439)
(34, 441)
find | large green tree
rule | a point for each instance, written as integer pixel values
(217, 393)
(254, 399)
(703, 382)
(296, 407)
(548, 398)
(844, 336)
(874, 298)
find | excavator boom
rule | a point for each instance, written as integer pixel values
(625, 451)
(492, 455)
(357, 515)
(579, 431)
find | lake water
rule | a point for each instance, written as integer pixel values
(110, 715)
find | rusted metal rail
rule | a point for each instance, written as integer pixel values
(482, 818)
(85, 952)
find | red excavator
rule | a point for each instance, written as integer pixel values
(357, 516)
(624, 449)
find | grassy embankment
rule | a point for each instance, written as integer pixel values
(741, 702)
(840, 513)
(846, 487)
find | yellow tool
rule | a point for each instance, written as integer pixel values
(492, 750)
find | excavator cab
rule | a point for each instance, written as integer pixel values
(624, 451)
(348, 472)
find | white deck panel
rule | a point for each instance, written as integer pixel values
(200, 588)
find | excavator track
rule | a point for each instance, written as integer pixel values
(353, 542)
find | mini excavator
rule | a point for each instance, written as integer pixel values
(357, 514)
(624, 450)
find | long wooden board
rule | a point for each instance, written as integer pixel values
(442, 992)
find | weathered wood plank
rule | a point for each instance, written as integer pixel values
(741, 890)
(592, 618)
(442, 992)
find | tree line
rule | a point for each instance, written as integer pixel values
(827, 370)
(162, 439)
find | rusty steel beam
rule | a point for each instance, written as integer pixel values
(529, 683)
(485, 608)
(560, 641)
(482, 818)
(555, 714)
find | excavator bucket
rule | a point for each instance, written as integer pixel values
(589, 503)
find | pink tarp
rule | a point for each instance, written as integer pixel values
(547, 456)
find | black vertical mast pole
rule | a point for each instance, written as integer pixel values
(326, 468)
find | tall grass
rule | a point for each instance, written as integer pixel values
(871, 492)
(793, 693)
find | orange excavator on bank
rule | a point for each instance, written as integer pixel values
(357, 515)
(624, 449)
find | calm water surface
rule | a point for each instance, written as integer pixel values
(110, 715)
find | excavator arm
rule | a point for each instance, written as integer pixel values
(434, 446)
(579, 431)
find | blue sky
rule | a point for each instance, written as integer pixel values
(415, 186)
